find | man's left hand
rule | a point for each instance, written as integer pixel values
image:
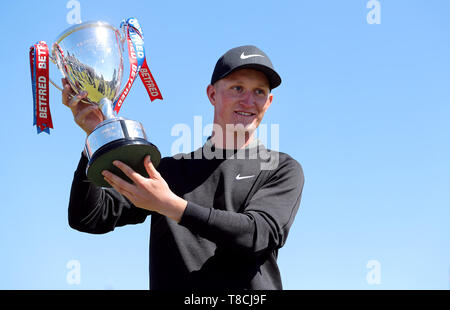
(151, 193)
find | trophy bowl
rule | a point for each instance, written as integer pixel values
(89, 55)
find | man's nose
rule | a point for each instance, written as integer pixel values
(247, 99)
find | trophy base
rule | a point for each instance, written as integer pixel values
(131, 152)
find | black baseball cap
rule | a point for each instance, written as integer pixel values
(247, 56)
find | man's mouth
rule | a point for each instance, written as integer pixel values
(244, 113)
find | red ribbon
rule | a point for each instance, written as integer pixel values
(144, 72)
(149, 82)
(39, 64)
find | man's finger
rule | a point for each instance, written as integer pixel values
(76, 99)
(67, 93)
(151, 170)
(118, 183)
(79, 117)
(119, 189)
(64, 82)
(129, 172)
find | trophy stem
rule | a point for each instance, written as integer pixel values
(107, 109)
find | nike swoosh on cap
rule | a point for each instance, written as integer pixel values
(238, 177)
(243, 56)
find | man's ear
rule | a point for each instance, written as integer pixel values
(211, 92)
(269, 101)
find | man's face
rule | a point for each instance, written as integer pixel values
(242, 97)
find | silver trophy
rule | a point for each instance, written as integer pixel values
(89, 55)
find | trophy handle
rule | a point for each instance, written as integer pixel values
(51, 81)
(53, 59)
(122, 39)
(123, 35)
(56, 85)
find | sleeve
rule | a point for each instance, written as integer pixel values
(98, 210)
(264, 223)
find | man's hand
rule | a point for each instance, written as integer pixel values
(86, 115)
(151, 193)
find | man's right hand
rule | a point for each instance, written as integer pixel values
(86, 115)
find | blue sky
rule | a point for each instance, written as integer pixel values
(363, 107)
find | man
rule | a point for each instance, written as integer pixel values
(216, 221)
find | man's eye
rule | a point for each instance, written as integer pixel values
(237, 88)
(260, 92)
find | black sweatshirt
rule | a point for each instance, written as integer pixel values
(240, 208)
